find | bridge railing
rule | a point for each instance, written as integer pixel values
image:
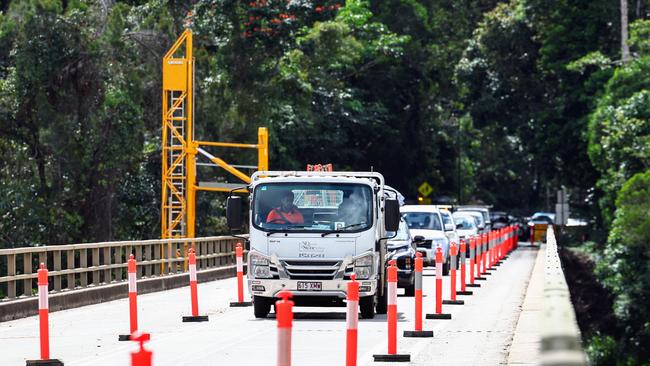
(561, 342)
(77, 266)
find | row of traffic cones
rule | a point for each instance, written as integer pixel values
(142, 357)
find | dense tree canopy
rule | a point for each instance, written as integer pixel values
(491, 101)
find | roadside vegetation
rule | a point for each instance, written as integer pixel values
(500, 102)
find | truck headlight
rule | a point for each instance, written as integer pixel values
(363, 273)
(261, 272)
(364, 261)
(260, 266)
(363, 267)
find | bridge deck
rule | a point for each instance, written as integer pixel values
(480, 332)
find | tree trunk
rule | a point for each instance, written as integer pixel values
(625, 49)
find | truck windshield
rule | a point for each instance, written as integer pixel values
(312, 207)
(423, 220)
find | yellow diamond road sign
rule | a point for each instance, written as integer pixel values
(425, 189)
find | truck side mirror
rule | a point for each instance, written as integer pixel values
(391, 215)
(459, 226)
(418, 239)
(233, 212)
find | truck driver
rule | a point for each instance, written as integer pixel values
(287, 213)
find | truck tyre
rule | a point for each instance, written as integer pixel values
(261, 306)
(382, 303)
(367, 307)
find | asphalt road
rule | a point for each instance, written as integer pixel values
(480, 332)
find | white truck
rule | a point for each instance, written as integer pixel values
(309, 231)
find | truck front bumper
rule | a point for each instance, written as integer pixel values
(329, 288)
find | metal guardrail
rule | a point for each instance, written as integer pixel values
(77, 266)
(561, 342)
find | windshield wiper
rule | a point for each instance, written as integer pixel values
(341, 229)
(271, 232)
(285, 230)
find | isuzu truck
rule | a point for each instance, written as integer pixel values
(310, 231)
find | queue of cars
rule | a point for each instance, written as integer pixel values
(424, 228)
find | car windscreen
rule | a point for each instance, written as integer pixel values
(466, 223)
(446, 218)
(402, 232)
(486, 216)
(317, 207)
(422, 220)
(477, 214)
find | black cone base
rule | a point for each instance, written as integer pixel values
(392, 358)
(124, 337)
(497, 264)
(439, 316)
(195, 319)
(453, 302)
(240, 304)
(418, 333)
(491, 269)
(465, 292)
(480, 278)
(51, 362)
(487, 273)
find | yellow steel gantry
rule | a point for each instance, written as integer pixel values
(179, 149)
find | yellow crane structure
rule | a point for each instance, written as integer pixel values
(180, 149)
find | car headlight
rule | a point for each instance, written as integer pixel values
(260, 266)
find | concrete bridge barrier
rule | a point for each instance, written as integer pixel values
(560, 336)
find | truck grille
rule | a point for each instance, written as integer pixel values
(311, 270)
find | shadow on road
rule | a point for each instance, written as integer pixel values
(331, 316)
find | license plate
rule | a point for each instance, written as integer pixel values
(310, 286)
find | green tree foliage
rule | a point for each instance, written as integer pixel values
(625, 271)
(619, 127)
(72, 102)
(514, 79)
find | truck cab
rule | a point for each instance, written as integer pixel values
(310, 231)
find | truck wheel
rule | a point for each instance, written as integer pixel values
(382, 303)
(261, 307)
(367, 307)
(445, 268)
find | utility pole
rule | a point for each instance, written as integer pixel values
(459, 155)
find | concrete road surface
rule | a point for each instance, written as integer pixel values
(480, 332)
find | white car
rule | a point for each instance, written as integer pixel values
(483, 210)
(449, 225)
(480, 223)
(466, 224)
(426, 221)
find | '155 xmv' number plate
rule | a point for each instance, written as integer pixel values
(310, 286)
